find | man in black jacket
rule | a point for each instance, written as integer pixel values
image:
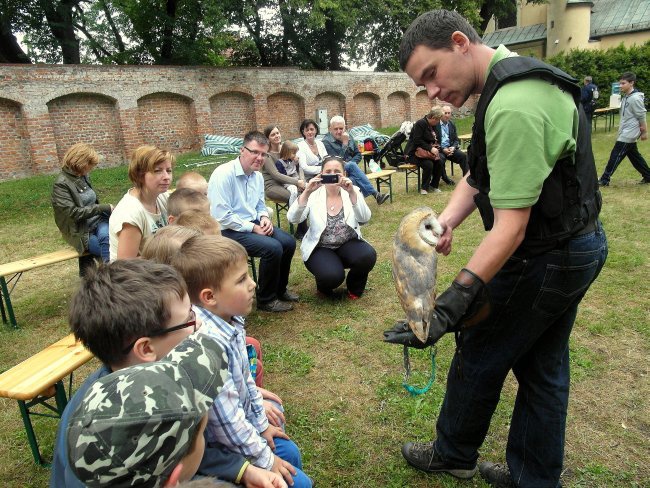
(423, 150)
(449, 144)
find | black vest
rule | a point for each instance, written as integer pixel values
(570, 201)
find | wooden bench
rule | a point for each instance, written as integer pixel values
(11, 272)
(383, 176)
(39, 379)
(411, 171)
(464, 139)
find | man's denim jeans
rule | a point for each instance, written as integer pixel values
(359, 179)
(534, 305)
(275, 253)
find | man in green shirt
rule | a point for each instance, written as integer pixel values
(514, 303)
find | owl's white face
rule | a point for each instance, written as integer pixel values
(430, 230)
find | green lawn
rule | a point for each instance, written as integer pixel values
(341, 385)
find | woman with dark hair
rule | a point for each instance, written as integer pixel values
(82, 220)
(274, 181)
(335, 210)
(311, 151)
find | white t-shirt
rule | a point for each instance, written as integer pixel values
(130, 210)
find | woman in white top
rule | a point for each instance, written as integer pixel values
(311, 151)
(333, 242)
(143, 209)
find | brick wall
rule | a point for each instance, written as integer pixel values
(232, 114)
(397, 109)
(334, 103)
(13, 141)
(167, 120)
(46, 108)
(286, 111)
(365, 110)
(92, 119)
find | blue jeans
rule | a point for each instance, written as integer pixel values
(288, 450)
(359, 179)
(275, 253)
(534, 305)
(98, 241)
(619, 151)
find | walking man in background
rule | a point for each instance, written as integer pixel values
(632, 126)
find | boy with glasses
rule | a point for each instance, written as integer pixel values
(236, 194)
(131, 312)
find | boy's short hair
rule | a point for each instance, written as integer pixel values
(120, 302)
(79, 157)
(288, 150)
(184, 199)
(193, 181)
(201, 222)
(136, 425)
(204, 261)
(628, 76)
(144, 160)
(164, 244)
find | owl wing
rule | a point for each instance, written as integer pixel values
(415, 283)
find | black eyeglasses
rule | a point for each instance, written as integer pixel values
(256, 153)
(160, 332)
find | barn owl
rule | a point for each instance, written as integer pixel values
(415, 267)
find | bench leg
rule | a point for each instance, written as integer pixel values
(61, 402)
(251, 263)
(31, 435)
(7, 302)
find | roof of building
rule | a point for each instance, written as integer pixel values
(617, 16)
(516, 35)
(608, 17)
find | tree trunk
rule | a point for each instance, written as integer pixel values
(167, 48)
(59, 19)
(10, 50)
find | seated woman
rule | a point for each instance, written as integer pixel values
(311, 151)
(82, 220)
(422, 150)
(143, 209)
(274, 180)
(333, 242)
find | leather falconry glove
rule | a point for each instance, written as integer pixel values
(464, 304)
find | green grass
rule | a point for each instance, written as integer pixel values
(341, 385)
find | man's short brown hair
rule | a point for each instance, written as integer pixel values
(204, 262)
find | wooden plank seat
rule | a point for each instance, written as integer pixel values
(464, 139)
(11, 272)
(39, 379)
(411, 171)
(383, 177)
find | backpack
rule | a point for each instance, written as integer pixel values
(369, 145)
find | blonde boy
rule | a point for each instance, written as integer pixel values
(216, 269)
(193, 181)
(185, 199)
